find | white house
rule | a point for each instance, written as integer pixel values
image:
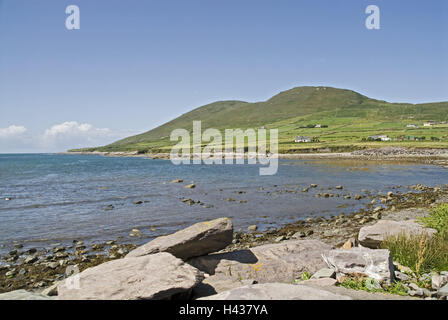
(411, 126)
(302, 139)
(380, 137)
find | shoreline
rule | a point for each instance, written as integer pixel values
(35, 270)
(387, 154)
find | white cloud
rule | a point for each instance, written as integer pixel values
(59, 137)
(12, 131)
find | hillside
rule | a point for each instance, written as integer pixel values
(347, 117)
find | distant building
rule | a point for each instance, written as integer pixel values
(429, 123)
(318, 126)
(411, 126)
(379, 138)
(302, 139)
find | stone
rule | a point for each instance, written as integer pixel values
(199, 239)
(280, 239)
(23, 295)
(190, 186)
(443, 292)
(152, 277)
(323, 273)
(372, 236)
(438, 281)
(51, 291)
(177, 181)
(30, 259)
(216, 284)
(321, 282)
(350, 243)
(298, 235)
(135, 233)
(376, 264)
(339, 187)
(277, 291)
(281, 262)
(252, 228)
(401, 276)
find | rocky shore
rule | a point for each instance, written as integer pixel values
(308, 258)
(387, 154)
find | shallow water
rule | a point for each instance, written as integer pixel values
(59, 198)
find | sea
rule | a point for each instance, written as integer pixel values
(52, 199)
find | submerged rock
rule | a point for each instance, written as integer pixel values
(196, 240)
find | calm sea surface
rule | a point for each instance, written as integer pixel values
(59, 198)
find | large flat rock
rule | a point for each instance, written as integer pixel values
(282, 291)
(23, 295)
(277, 291)
(158, 276)
(283, 262)
(197, 240)
(373, 263)
(372, 236)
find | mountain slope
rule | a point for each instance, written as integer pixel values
(289, 111)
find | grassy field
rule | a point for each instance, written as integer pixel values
(347, 116)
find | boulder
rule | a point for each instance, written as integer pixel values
(277, 291)
(372, 236)
(158, 276)
(323, 273)
(376, 264)
(321, 282)
(23, 295)
(196, 240)
(283, 262)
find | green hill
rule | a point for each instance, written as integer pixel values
(346, 116)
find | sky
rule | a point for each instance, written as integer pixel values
(133, 65)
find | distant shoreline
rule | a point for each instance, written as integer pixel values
(428, 156)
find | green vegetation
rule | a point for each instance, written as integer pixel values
(361, 284)
(438, 219)
(305, 275)
(338, 120)
(422, 253)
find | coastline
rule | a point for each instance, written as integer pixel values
(36, 270)
(387, 154)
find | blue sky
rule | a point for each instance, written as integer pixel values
(134, 65)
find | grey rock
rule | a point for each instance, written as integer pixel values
(373, 236)
(438, 281)
(282, 262)
(22, 295)
(31, 259)
(277, 291)
(51, 291)
(376, 264)
(324, 273)
(401, 276)
(321, 282)
(443, 292)
(196, 240)
(156, 276)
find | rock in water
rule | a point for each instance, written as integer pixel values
(376, 264)
(283, 262)
(155, 277)
(277, 291)
(196, 240)
(373, 236)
